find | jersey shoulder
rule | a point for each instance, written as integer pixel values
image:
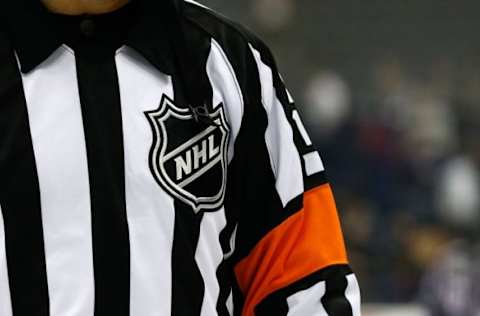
(228, 33)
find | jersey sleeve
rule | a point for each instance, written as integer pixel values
(290, 256)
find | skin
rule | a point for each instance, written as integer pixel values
(77, 7)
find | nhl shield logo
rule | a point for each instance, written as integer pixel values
(187, 159)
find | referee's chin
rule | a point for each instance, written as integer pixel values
(79, 7)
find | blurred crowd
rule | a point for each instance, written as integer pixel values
(404, 160)
(390, 92)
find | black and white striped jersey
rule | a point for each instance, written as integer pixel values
(120, 197)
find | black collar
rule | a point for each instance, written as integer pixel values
(35, 37)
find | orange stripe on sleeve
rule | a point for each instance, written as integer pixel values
(306, 242)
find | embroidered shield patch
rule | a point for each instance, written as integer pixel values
(188, 159)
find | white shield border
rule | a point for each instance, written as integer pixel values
(157, 118)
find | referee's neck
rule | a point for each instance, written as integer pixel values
(77, 7)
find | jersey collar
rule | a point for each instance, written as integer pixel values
(34, 36)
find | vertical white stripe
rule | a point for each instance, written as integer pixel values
(226, 89)
(284, 155)
(60, 154)
(352, 293)
(5, 301)
(289, 95)
(150, 211)
(301, 128)
(290, 98)
(308, 302)
(209, 255)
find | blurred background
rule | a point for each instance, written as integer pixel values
(390, 91)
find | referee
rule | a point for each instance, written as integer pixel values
(153, 163)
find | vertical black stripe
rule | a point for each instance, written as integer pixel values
(237, 192)
(100, 100)
(225, 273)
(188, 287)
(20, 195)
(334, 300)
